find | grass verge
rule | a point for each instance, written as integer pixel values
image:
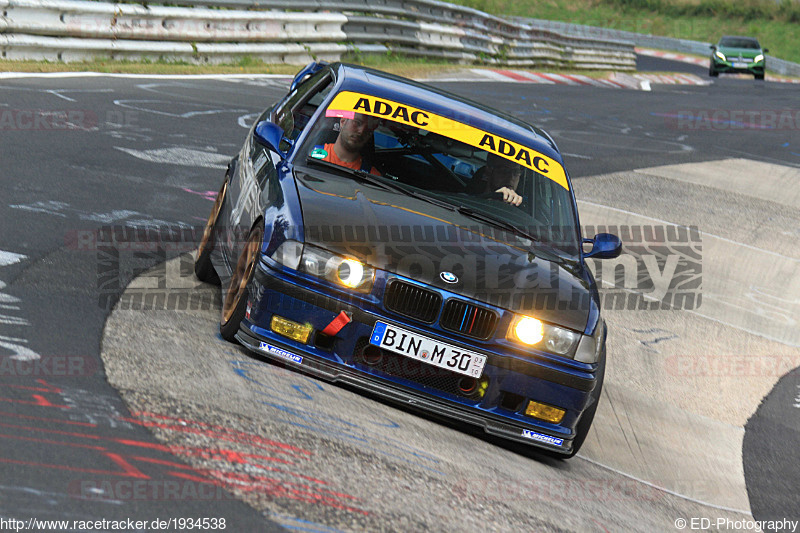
(775, 24)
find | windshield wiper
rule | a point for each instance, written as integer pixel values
(357, 173)
(384, 183)
(496, 221)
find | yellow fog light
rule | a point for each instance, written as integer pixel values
(528, 329)
(292, 330)
(545, 412)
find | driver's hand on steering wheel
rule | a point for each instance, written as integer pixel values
(510, 196)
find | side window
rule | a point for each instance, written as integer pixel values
(296, 112)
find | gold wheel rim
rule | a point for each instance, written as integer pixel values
(212, 218)
(241, 275)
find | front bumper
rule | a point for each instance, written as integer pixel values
(337, 360)
(727, 67)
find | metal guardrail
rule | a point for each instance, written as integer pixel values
(642, 40)
(294, 32)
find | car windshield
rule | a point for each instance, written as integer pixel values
(739, 42)
(460, 174)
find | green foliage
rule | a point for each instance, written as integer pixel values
(773, 22)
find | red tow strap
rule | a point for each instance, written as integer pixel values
(336, 325)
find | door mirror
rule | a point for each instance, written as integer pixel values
(604, 246)
(269, 134)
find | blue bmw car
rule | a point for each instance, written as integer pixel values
(381, 233)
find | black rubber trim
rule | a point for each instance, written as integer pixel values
(335, 305)
(328, 371)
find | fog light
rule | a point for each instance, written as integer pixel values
(293, 330)
(545, 412)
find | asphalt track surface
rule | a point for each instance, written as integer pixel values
(146, 152)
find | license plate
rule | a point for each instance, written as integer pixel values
(427, 350)
(739, 65)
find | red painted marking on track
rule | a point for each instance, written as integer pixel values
(216, 432)
(40, 401)
(513, 75)
(53, 431)
(59, 443)
(128, 468)
(551, 78)
(43, 419)
(65, 467)
(576, 80)
(45, 387)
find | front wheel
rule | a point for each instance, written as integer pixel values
(712, 72)
(203, 268)
(759, 76)
(233, 307)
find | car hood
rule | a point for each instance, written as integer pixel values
(418, 240)
(744, 52)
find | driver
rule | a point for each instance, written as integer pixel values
(499, 175)
(354, 134)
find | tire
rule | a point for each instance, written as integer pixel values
(235, 298)
(759, 76)
(713, 73)
(203, 268)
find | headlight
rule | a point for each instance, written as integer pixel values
(720, 55)
(533, 332)
(345, 271)
(759, 58)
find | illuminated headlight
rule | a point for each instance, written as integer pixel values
(720, 55)
(533, 332)
(344, 271)
(759, 58)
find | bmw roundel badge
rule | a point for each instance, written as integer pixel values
(448, 277)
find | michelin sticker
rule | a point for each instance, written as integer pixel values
(283, 354)
(528, 434)
(347, 102)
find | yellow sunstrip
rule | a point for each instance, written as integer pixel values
(349, 103)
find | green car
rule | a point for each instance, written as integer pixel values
(738, 54)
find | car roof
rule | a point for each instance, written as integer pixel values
(365, 80)
(744, 38)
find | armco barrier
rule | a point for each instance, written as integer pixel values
(684, 46)
(263, 29)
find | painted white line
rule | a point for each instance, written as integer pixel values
(671, 492)
(748, 246)
(490, 74)
(9, 258)
(577, 156)
(13, 75)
